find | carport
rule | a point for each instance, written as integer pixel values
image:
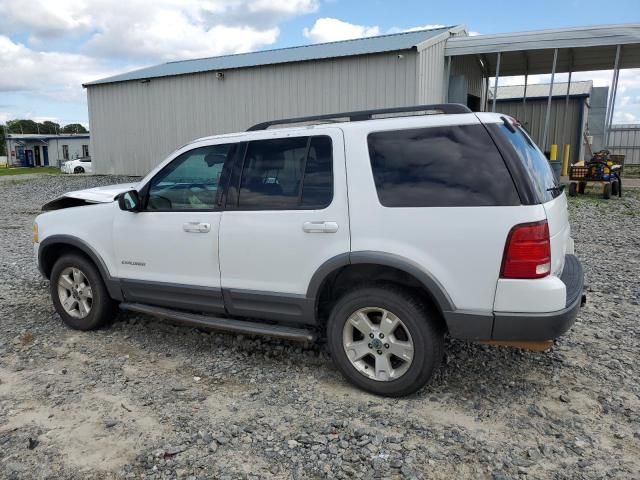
(603, 47)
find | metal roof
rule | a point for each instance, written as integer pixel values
(43, 136)
(541, 90)
(579, 49)
(345, 48)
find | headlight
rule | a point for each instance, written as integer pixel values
(35, 233)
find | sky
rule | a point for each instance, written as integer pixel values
(48, 48)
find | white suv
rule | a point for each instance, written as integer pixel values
(381, 234)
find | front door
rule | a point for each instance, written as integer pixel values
(167, 254)
(36, 152)
(286, 215)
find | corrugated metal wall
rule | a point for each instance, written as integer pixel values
(469, 67)
(533, 116)
(136, 125)
(625, 140)
(431, 73)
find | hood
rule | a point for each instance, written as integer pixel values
(104, 194)
(78, 198)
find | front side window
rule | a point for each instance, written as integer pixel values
(451, 166)
(192, 181)
(287, 174)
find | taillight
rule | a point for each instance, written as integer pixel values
(527, 253)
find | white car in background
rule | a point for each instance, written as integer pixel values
(78, 165)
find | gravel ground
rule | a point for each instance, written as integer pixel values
(144, 399)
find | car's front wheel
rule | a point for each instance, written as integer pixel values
(79, 294)
(78, 170)
(385, 340)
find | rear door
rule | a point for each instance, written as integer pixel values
(545, 185)
(286, 215)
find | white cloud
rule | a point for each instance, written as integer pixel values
(332, 29)
(64, 43)
(429, 26)
(153, 30)
(52, 74)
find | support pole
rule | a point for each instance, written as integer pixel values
(524, 99)
(526, 83)
(495, 85)
(546, 118)
(448, 79)
(612, 97)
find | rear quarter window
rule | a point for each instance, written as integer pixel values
(535, 163)
(452, 166)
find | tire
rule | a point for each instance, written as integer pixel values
(614, 188)
(78, 170)
(581, 187)
(606, 191)
(419, 326)
(572, 189)
(101, 308)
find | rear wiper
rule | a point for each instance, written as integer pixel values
(556, 188)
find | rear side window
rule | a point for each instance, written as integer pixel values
(534, 161)
(453, 166)
(287, 174)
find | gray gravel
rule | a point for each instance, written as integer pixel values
(143, 399)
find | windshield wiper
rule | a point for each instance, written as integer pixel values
(556, 188)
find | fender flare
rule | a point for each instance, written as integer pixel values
(112, 284)
(429, 282)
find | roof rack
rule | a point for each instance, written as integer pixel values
(446, 108)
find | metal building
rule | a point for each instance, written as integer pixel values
(35, 150)
(570, 121)
(139, 117)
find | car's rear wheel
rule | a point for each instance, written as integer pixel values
(78, 170)
(384, 340)
(79, 294)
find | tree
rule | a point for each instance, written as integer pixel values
(50, 128)
(22, 126)
(74, 128)
(3, 142)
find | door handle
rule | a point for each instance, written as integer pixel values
(320, 227)
(196, 227)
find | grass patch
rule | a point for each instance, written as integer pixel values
(24, 170)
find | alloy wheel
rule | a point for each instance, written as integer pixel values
(75, 293)
(378, 344)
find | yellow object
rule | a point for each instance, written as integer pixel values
(565, 159)
(553, 152)
(607, 169)
(35, 233)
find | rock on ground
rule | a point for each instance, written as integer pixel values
(144, 399)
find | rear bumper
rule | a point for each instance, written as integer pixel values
(517, 326)
(545, 326)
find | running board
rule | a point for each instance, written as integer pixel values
(226, 324)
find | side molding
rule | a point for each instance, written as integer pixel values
(112, 284)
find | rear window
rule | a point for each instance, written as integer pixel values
(534, 161)
(453, 166)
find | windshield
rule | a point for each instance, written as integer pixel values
(536, 164)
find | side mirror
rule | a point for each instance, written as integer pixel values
(129, 201)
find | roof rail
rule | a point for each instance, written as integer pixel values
(446, 108)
